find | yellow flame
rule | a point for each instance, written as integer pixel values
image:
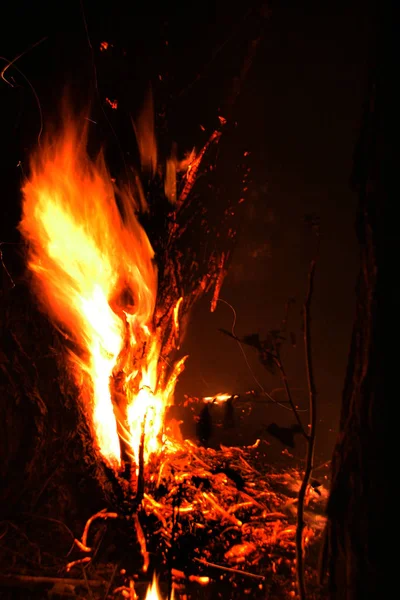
(218, 398)
(176, 314)
(94, 273)
(153, 592)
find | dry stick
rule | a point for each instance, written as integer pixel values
(175, 517)
(311, 438)
(279, 365)
(51, 520)
(229, 569)
(111, 581)
(89, 589)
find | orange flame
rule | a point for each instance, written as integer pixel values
(94, 273)
(145, 135)
(153, 592)
(217, 399)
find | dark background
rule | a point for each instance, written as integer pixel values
(298, 115)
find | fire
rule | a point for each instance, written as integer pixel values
(218, 398)
(95, 275)
(153, 592)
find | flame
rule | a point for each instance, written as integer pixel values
(153, 592)
(145, 135)
(94, 274)
(218, 398)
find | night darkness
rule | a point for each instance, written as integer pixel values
(298, 114)
(291, 78)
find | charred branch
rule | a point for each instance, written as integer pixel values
(140, 479)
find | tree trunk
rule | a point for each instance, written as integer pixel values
(356, 550)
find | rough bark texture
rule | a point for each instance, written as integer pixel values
(356, 529)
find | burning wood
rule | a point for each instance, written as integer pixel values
(253, 529)
(94, 272)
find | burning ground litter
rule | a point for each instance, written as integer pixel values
(210, 519)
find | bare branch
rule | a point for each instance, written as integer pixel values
(310, 438)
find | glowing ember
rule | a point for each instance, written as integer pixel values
(94, 273)
(112, 103)
(218, 398)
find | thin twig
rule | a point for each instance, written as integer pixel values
(11, 63)
(174, 529)
(111, 581)
(285, 319)
(89, 589)
(280, 367)
(277, 363)
(311, 438)
(44, 486)
(75, 563)
(141, 538)
(229, 569)
(23, 534)
(51, 520)
(282, 371)
(102, 514)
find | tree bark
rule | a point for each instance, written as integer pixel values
(356, 550)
